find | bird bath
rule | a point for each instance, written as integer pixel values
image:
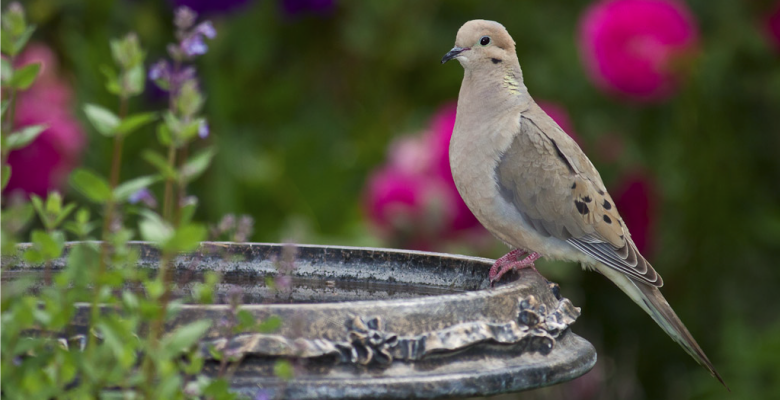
(377, 323)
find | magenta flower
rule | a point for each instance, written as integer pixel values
(43, 166)
(413, 199)
(442, 124)
(632, 47)
(395, 197)
(773, 26)
(635, 198)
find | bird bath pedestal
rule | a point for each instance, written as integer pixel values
(380, 323)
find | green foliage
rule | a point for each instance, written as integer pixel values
(123, 352)
(22, 137)
(104, 121)
(91, 185)
(123, 191)
(23, 77)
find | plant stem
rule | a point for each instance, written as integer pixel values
(168, 201)
(155, 331)
(182, 186)
(116, 164)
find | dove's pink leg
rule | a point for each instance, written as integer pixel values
(508, 258)
(505, 265)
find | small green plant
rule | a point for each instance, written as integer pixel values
(125, 353)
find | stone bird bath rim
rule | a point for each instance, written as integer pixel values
(377, 323)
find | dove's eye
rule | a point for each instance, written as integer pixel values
(485, 40)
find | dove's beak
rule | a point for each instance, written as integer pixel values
(453, 53)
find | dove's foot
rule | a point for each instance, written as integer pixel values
(506, 264)
(508, 258)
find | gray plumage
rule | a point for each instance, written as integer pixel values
(532, 186)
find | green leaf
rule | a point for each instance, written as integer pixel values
(94, 187)
(164, 134)
(125, 190)
(160, 162)
(188, 207)
(7, 45)
(25, 76)
(49, 245)
(154, 229)
(54, 203)
(102, 119)
(4, 106)
(22, 39)
(33, 256)
(133, 122)
(189, 100)
(6, 72)
(23, 137)
(81, 227)
(173, 123)
(187, 238)
(185, 337)
(14, 21)
(112, 80)
(6, 175)
(64, 214)
(135, 79)
(270, 324)
(217, 388)
(283, 369)
(245, 320)
(190, 130)
(197, 164)
(39, 208)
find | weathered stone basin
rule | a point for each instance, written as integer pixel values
(381, 323)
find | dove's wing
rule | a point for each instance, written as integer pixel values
(551, 182)
(558, 191)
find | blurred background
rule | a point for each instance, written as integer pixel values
(332, 120)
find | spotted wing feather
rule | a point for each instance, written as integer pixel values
(551, 182)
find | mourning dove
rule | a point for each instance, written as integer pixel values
(531, 186)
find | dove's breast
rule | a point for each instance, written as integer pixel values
(475, 149)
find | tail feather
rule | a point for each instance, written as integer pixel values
(653, 302)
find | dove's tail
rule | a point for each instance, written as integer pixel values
(653, 302)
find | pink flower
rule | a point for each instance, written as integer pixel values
(773, 26)
(635, 198)
(44, 165)
(439, 135)
(413, 199)
(630, 47)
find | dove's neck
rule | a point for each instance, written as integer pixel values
(495, 90)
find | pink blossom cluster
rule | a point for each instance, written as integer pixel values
(43, 165)
(637, 48)
(773, 26)
(412, 199)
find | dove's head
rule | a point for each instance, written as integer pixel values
(482, 43)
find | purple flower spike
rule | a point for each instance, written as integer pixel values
(206, 29)
(203, 131)
(160, 70)
(143, 196)
(184, 17)
(194, 45)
